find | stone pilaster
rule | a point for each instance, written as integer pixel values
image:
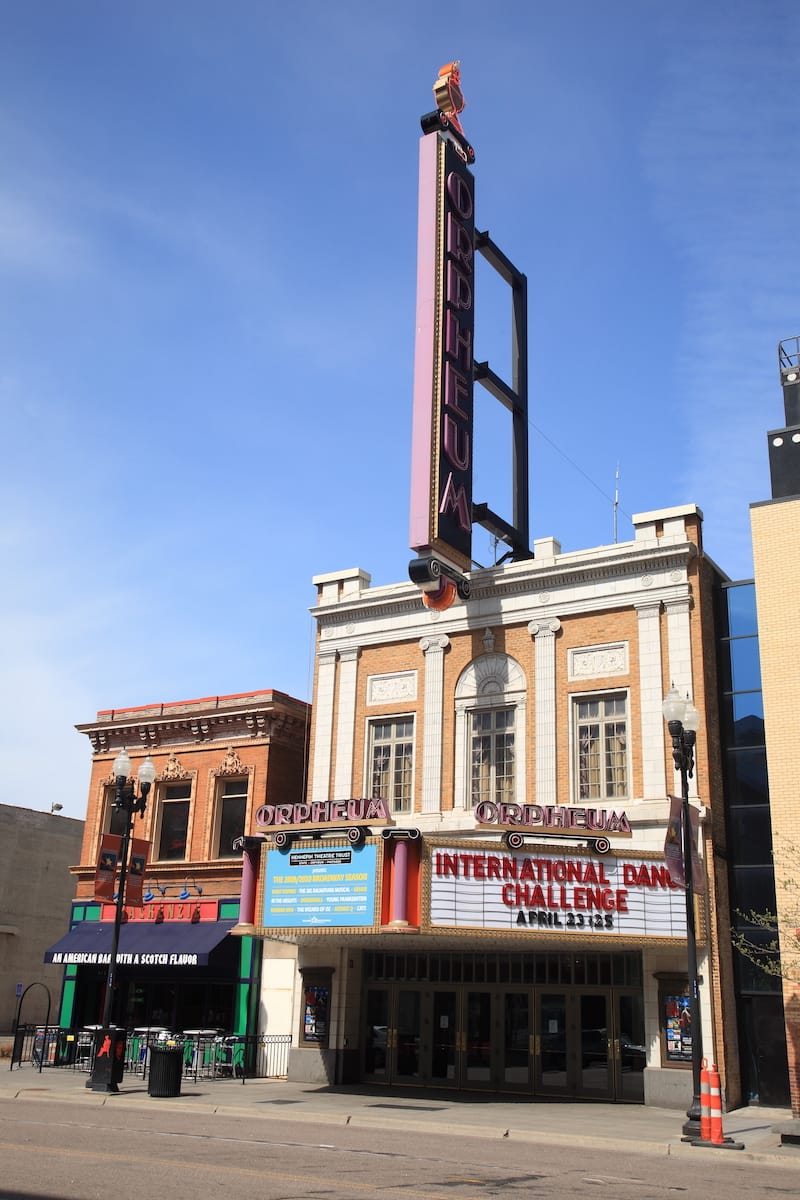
(433, 647)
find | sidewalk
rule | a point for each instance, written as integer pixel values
(632, 1128)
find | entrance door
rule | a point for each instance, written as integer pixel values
(517, 1042)
(445, 1038)
(594, 1037)
(569, 1042)
(575, 1047)
(405, 1057)
(553, 1043)
(376, 1034)
(477, 1024)
(392, 1035)
(630, 1051)
(462, 1053)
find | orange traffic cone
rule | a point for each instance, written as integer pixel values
(705, 1106)
(711, 1112)
(715, 1106)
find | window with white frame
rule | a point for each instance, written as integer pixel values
(601, 747)
(173, 820)
(492, 756)
(231, 811)
(489, 752)
(391, 761)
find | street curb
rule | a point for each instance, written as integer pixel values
(201, 1101)
(772, 1158)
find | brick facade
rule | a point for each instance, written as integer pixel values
(260, 737)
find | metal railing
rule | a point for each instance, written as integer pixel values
(207, 1054)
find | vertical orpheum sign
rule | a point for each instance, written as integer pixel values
(441, 470)
(442, 508)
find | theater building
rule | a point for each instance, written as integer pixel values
(217, 760)
(501, 916)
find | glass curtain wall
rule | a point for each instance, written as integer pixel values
(762, 1037)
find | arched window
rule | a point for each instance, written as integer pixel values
(490, 702)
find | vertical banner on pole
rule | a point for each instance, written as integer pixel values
(136, 869)
(698, 874)
(106, 871)
(673, 847)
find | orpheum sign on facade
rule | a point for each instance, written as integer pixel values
(324, 813)
(441, 457)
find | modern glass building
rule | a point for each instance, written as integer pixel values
(759, 1001)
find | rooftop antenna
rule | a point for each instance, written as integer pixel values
(616, 501)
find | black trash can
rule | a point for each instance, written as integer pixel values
(166, 1068)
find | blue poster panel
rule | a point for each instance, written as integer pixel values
(319, 888)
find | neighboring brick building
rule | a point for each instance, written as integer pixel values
(422, 957)
(217, 760)
(37, 850)
(776, 556)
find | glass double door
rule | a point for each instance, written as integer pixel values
(582, 1043)
(439, 1037)
(590, 1044)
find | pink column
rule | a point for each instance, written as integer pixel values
(247, 904)
(400, 882)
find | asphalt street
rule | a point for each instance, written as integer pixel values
(57, 1145)
(633, 1128)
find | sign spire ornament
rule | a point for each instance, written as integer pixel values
(448, 95)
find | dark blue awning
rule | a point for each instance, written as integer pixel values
(141, 943)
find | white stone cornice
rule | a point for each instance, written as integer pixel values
(204, 727)
(498, 605)
(609, 577)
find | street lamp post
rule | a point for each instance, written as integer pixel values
(126, 800)
(683, 720)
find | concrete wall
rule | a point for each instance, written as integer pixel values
(36, 851)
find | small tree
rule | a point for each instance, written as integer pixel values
(768, 940)
(765, 951)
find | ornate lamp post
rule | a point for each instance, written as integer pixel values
(683, 721)
(109, 1049)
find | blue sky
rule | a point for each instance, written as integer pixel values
(207, 273)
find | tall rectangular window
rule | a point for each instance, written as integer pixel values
(231, 810)
(492, 756)
(601, 742)
(114, 819)
(391, 758)
(174, 820)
